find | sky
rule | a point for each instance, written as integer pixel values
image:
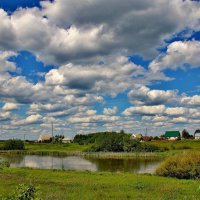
(99, 65)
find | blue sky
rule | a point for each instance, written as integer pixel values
(11, 6)
(101, 70)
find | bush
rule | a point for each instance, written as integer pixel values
(114, 142)
(24, 192)
(183, 147)
(108, 142)
(4, 163)
(150, 148)
(182, 166)
(14, 145)
(131, 145)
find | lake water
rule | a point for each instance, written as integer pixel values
(82, 163)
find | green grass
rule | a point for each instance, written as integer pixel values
(179, 144)
(177, 147)
(56, 147)
(60, 185)
(50, 149)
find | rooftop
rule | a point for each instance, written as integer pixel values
(172, 134)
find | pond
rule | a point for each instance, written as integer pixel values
(82, 163)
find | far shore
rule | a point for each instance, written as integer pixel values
(72, 149)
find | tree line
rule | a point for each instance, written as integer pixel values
(114, 142)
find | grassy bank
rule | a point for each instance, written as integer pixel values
(49, 149)
(61, 185)
(74, 149)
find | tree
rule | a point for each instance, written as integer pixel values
(185, 134)
(197, 131)
(58, 138)
(14, 144)
(156, 138)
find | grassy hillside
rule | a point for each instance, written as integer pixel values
(61, 185)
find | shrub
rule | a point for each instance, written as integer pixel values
(150, 148)
(24, 192)
(114, 142)
(4, 163)
(182, 166)
(131, 145)
(183, 147)
(111, 142)
(14, 145)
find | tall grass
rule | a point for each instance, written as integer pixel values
(120, 155)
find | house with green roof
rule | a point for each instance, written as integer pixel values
(172, 135)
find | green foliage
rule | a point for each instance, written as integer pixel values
(13, 144)
(186, 135)
(108, 142)
(197, 131)
(131, 145)
(24, 192)
(156, 138)
(58, 138)
(114, 142)
(150, 147)
(183, 166)
(85, 139)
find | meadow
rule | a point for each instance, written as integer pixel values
(59, 185)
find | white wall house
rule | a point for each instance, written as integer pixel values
(44, 138)
(136, 136)
(66, 140)
(197, 136)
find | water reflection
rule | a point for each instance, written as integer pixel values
(126, 165)
(80, 163)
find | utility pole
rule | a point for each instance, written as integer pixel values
(52, 131)
(146, 132)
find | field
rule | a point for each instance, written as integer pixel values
(61, 185)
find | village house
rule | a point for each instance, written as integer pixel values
(172, 135)
(66, 140)
(147, 138)
(44, 138)
(137, 136)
